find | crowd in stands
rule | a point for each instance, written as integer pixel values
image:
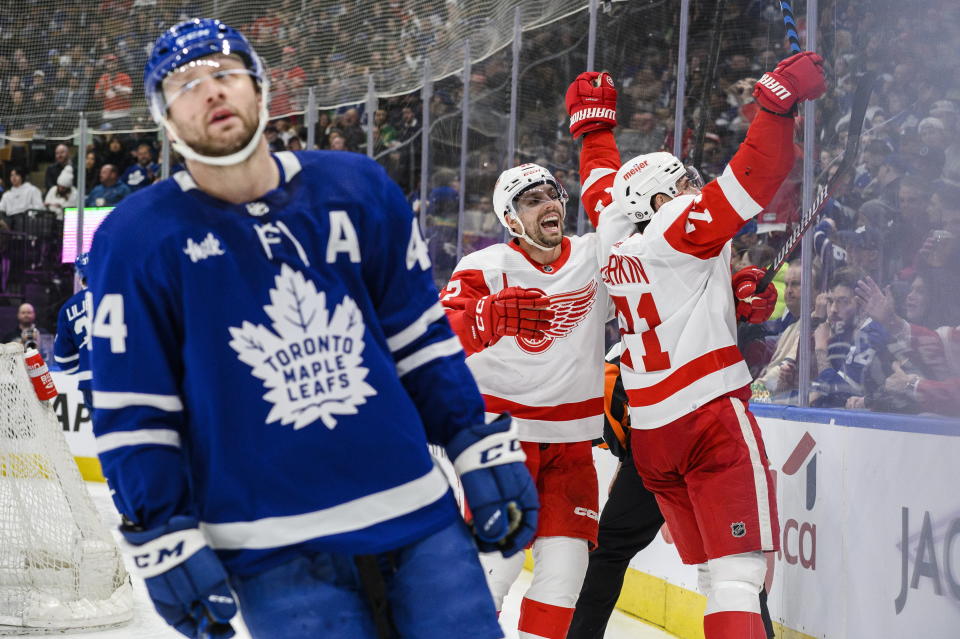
(886, 312)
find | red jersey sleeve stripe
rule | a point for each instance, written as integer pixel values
(695, 369)
(559, 413)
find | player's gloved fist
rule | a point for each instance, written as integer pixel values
(753, 307)
(798, 78)
(513, 311)
(184, 577)
(591, 103)
(497, 485)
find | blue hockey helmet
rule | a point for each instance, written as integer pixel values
(81, 264)
(185, 43)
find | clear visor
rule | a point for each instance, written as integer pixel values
(690, 181)
(538, 195)
(190, 77)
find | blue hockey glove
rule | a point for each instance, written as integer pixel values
(497, 485)
(184, 577)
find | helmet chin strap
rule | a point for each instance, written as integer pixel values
(524, 233)
(236, 157)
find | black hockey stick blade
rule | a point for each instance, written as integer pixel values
(861, 99)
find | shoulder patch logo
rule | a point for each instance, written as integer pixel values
(310, 363)
(207, 247)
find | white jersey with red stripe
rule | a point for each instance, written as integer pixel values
(671, 285)
(553, 387)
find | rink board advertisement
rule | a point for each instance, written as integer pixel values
(869, 511)
(76, 424)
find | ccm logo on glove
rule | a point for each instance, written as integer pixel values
(163, 553)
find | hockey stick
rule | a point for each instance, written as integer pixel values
(861, 99)
(791, 26)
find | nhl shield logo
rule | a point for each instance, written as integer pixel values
(738, 529)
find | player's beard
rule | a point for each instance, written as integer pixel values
(537, 235)
(225, 144)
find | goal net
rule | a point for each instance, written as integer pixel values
(59, 566)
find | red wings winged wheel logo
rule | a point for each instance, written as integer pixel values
(569, 311)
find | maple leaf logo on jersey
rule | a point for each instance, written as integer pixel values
(310, 362)
(569, 311)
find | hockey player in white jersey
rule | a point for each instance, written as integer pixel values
(531, 314)
(270, 361)
(665, 259)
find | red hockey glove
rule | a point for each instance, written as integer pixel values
(753, 307)
(512, 311)
(798, 78)
(591, 103)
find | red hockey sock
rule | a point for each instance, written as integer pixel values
(539, 619)
(734, 625)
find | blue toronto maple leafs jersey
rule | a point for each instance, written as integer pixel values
(276, 368)
(70, 349)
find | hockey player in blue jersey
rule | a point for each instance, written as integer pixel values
(70, 347)
(269, 364)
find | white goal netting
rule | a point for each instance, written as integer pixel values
(59, 566)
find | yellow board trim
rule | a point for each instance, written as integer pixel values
(660, 603)
(90, 468)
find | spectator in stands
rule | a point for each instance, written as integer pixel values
(337, 142)
(779, 377)
(27, 332)
(92, 170)
(287, 80)
(443, 205)
(21, 196)
(388, 134)
(644, 135)
(113, 91)
(409, 124)
(61, 159)
(919, 353)
(863, 250)
(144, 172)
(850, 348)
(285, 130)
(946, 111)
(274, 141)
(912, 221)
(871, 158)
(62, 194)
(348, 123)
(110, 190)
(886, 184)
(323, 129)
(116, 154)
(73, 97)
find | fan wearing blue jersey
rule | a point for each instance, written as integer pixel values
(70, 349)
(256, 321)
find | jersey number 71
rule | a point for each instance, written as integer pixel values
(654, 357)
